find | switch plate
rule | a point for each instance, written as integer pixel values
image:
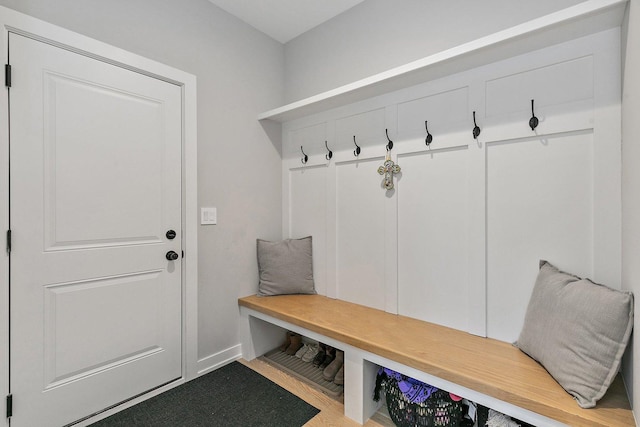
(208, 216)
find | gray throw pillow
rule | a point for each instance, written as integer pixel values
(285, 267)
(578, 330)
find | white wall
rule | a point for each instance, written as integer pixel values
(239, 74)
(377, 35)
(631, 190)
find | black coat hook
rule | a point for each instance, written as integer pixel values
(533, 121)
(305, 158)
(356, 152)
(389, 142)
(476, 129)
(429, 137)
(329, 155)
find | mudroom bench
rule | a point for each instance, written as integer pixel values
(484, 370)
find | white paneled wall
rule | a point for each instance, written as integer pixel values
(505, 95)
(458, 240)
(433, 237)
(446, 112)
(360, 236)
(540, 206)
(308, 215)
(367, 127)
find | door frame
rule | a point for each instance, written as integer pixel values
(16, 22)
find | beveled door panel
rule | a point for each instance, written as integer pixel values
(80, 141)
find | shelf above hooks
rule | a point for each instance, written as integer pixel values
(588, 17)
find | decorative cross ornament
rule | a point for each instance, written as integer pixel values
(388, 169)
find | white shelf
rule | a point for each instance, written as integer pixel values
(586, 18)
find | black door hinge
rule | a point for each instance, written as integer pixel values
(9, 405)
(9, 241)
(7, 75)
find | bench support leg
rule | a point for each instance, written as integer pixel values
(359, 382)
(258, 337)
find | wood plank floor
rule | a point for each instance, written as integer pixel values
(331, 410)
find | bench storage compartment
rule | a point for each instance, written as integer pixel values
(427, 406)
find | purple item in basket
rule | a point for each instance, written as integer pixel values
(391, 374)
(415, 391)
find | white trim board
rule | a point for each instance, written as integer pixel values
(12, 21)
(219, 359)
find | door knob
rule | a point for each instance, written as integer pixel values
(172, 256)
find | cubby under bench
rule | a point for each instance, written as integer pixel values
(490, 372)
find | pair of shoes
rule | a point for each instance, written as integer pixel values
(319, 357)
(332, 368)
(311, 353)
(295, 344)
(303, 350)
(328, 358)
(339, 378)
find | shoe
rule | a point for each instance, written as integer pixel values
(296, 343)
(312, 351)
(287, 341)
(302, 351)
(331, 355)
(339, 378)
(332, 368)
(317, 361)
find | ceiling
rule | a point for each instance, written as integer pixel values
(284, 20)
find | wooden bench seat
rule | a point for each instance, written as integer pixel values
(493, 368)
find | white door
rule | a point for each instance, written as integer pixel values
(95, 157)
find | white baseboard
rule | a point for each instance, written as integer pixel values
(221, 358)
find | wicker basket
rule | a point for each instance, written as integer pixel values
(438, 410)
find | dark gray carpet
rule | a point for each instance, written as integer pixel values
(232, 396)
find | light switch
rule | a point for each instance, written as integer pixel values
(208, 216)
